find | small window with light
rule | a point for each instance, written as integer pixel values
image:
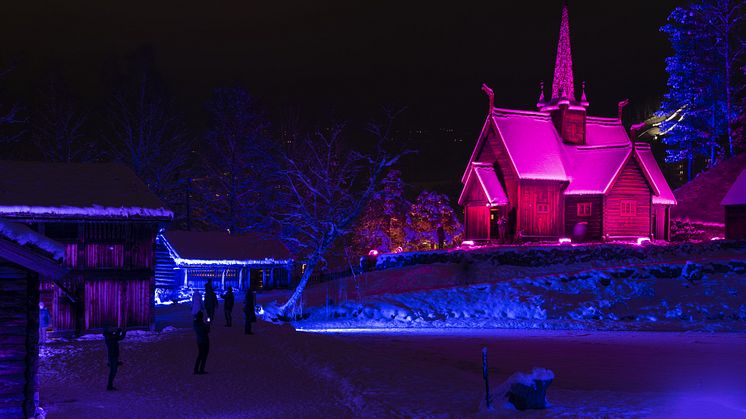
(584, 209)
(542, 208)
(628, 208)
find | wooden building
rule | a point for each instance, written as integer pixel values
(191, 259)
(107, 220)
(558, 172)
(25, 257)
(735, 209)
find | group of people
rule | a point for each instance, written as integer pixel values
(201, 324)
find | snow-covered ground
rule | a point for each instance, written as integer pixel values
(279, 372)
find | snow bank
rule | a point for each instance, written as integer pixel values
(698, 296)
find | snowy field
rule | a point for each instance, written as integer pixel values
(279, 372)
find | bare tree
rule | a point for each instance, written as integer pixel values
(58, 125)
(10, 119)
(148, 135)
(328, 185)
(238, 160)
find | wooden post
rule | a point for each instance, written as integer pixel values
(486, 377)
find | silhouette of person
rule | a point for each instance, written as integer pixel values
(248, 310)
(111, 339)
(228, 301)
(211, 301)
(196, 303)
(44, 321)
(202, 331)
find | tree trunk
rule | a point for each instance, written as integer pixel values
(310, 266)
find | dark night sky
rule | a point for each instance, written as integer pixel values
(351, 57)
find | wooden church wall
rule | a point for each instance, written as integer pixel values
(540, 210)
(593, 221)
(477, 222)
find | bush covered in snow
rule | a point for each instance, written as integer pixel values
(552, 255)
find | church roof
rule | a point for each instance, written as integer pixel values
(536, 151)
(488, 183)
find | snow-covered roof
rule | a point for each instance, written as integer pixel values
(536, 151)
(662, 192)
(594, 169)
(76, 190)
(24, 236)
(737, 193)
(485, 176)
(220, 248)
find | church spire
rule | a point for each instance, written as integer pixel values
(563, 83)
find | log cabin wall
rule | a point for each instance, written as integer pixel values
(112, 274)
(586, 209)
(19, 315)
(540, 209)
(627, 205)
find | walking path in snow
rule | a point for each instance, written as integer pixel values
(281, 373)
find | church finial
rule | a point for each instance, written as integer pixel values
(562, 85)
(540, 104)
(620, 108)
(486, 89)
(583, 98)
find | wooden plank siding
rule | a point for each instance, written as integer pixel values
(735, 222)
(19, 337)
(477, 222)
(540, 209)
(593, 222)
(630, 185)
(111, 276)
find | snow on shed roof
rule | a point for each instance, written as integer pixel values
(24, 236)
(75, 190)
(532, 143)
(737, 193)
(219, 247)
(662, 192)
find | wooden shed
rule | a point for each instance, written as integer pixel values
(25, 257)
(735, 209)
(249, 260)
(107, 220)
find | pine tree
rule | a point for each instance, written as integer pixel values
(701, 107)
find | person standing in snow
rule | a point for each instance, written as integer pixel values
(228, 301)
(196, 303)
(111, 339)
(248, 311)
(211, 301)
(202, 331)
(441, 237)
(502, 225)
(44, 321)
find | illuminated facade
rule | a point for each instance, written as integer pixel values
(557, 172)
